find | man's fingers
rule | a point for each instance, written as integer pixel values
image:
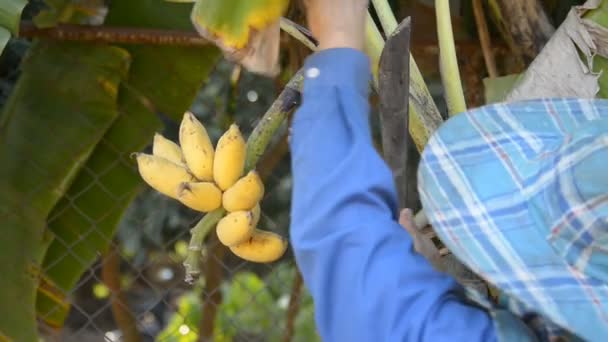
(407, 221)
(422, 244)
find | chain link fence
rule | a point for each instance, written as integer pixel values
(135, 290)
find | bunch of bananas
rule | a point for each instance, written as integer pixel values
(205, 179)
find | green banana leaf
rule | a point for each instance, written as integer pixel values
(246, 31)
(86, 219)
(10, 15)
(233, 21)
(58, 111)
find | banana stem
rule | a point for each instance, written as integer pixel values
(199, 232)
(386, 16)
(374, 43)
(295, 31)
(272, 120)
(447, 59)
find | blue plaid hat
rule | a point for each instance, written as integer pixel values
(519, 193)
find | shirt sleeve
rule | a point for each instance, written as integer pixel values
(366, 280)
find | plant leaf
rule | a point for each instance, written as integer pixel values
(496, 89)
(10, 15)
(87, 217)
(247, 31)
(5, 36)
(63, 102)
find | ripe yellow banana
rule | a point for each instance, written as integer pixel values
(196, 147)
(165, 148)
(161, 174)
(235, 227)
(229, 158)
(244, 194)
(200, 196)
(262, 247)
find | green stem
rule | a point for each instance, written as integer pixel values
(386, 16)
(10, 14)
(199, 232)
(272, 120)
(374, 43)
(292, 29)
(447, 59)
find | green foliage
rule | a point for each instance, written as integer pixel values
(163, 78)
(48, 129)
(252, 306)
(68, 11)
(10, 14)
(168, 76)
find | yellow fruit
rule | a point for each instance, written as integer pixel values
(161, 174)
(196, 147)
(229, 158)
(262, 247)
(167, 149)
(235, 227)
(200, 196)
(244, 194)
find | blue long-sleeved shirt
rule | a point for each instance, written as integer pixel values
(359, 264)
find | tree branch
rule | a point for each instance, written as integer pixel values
(294, 306)
(484, 38)
(212, 295)
(110, 274)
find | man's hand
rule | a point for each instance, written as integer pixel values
(422, 244)
(337, 23)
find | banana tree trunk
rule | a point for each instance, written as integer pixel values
(564, 66)
(523, 24)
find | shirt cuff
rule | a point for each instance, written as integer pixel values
(337, 67)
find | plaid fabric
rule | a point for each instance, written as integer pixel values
(519, 193)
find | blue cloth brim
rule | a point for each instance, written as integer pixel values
(479, 182)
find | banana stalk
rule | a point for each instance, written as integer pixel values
(272, 120)
(199, 232)
(448, 61)
(386, 16)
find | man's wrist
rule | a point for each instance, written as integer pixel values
(341, 39)
(338, 23)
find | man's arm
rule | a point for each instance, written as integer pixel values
(360, 266)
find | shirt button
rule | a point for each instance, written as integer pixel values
(313, 73)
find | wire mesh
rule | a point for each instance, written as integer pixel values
(136, 288)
